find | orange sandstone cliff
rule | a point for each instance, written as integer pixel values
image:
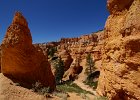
(20, 60)
(120, 72)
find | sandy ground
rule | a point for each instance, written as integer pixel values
(10, 91)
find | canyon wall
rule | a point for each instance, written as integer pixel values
(76, 49)
(120, 72)
(22, 61)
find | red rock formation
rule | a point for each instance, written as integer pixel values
(20, 59)
(119, 79)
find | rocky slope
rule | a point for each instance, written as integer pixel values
(120, 72)
(20, 60)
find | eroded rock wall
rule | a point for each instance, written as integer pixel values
(69, 49)
(120, 72)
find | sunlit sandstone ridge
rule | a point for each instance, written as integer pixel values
(120, 73)
(20, 60)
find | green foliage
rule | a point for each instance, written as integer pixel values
(51, 51)
(90, 64)
(59, 66)
(91, 84)
(38, 87)
(71, 87)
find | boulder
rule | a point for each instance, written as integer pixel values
(20, 59)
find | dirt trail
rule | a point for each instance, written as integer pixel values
(82, 77)
(85, 87)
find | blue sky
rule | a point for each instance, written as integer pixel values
(49, 20)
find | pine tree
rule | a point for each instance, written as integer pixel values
(90, 64)
(52, 51)
(59, 71)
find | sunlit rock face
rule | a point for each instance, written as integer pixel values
(74, 70)
(120, 73)
(20, 59)
(118, 5)
(66, 57)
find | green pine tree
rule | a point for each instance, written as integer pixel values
(59, 71)
(90, 64)
(52, 51)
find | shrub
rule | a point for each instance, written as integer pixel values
(38, 87)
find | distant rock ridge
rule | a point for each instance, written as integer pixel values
(22, 61)
(78, 45)
(83, 38)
